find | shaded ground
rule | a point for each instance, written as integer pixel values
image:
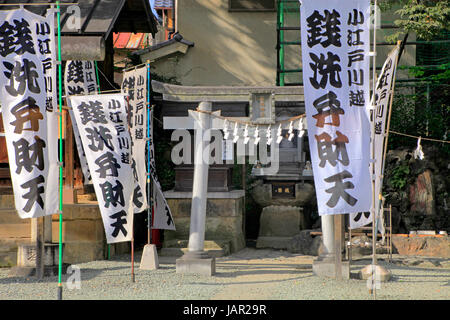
(250, 274)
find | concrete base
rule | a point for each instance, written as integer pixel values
(49, 271)
(224, 219)
(179, 252)
(381, 274)
(26, 255)
(149, 260)
(273, 242)
(177, 248)
(326, 268)
(196, 263)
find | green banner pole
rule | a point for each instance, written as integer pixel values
(60, 288)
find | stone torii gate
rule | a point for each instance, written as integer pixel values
(262, 111)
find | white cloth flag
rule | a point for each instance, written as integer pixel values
(135, 85)
(47, 49)
(27, 96)
(80, 78)
(383, 95)
(335, 53)
(102, 121)
(163, 216)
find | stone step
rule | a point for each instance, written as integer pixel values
(10, 230)
(179, 252)
(8, 250)
(215, 248)
(86, 198)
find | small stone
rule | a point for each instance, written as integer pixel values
(382, 274)
(149, 259)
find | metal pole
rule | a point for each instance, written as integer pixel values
(349, 240)
(60, 288)
(244, 186)
(374, 235)
(390, 233)
(132, 253)
(149, 185)
(132, 227)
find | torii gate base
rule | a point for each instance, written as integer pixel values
(329, 264)
(327, 268)
(197, 263)
(196, 260)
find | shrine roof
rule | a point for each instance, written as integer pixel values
(99, 17)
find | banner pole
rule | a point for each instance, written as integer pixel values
(149, 186)
(60, 288)
(132, 253)
(132, 226)
(99, 92)
(98, 79)
(374, 65)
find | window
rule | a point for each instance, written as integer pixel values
(252, 5)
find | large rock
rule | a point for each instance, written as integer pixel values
(418, 192)
(278, 224)
(282, 221)
(421, 194)
(422, 246)
(305, 243)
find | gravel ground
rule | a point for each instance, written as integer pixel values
(246, 275)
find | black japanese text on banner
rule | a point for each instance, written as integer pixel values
(163, 216)
(335, 53)
(102, 121)
(80, 78)
(383, 95)
(135, 85)
(27, 96)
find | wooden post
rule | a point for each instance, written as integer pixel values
(244, 186)
(350, 241)
(69, 191)
(390, 233)
(36, 238)
(338, 245)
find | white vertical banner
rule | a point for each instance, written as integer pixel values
(162, 214)
(383, 96)
(27, 50)
(335, 52)
(80, 78)
(47, 49)
(134, 84)
(102, 121)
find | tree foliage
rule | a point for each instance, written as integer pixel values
(426, 18)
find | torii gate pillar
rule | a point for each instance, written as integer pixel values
(196, 260)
